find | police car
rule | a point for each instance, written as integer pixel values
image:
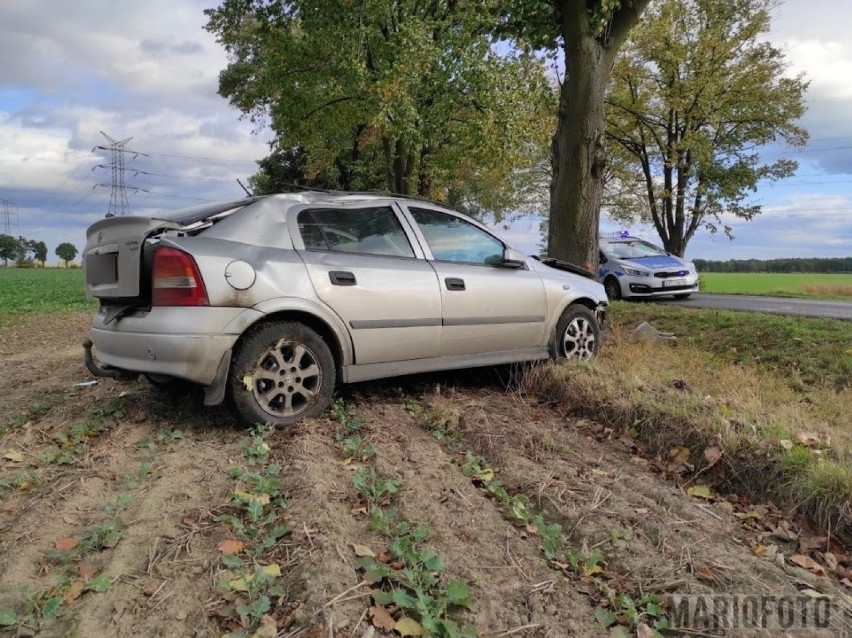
(631, 267)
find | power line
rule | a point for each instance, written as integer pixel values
(118, 195)
(7, 215)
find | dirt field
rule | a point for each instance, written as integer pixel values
(115, 500)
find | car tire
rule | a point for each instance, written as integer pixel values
(612, 288)
(280, 373)
(685, 295)
(577, 335)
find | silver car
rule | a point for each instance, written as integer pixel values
(270, 301)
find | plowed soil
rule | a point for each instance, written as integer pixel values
(160, 463)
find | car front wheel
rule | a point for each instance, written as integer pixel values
(612, 288)
(577, 335)
(281, 372)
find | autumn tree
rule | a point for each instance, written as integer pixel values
(409, 97)
(586, 35)
(66, 252)
(696, 92)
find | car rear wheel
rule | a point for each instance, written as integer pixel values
(612, 288)
(281, 372)
(577, 335)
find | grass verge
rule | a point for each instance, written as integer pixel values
(809, 353)
(740, 427)
(42, 290)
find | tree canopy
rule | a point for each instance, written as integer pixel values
(66, 251)
(410, 97)
(695, 93)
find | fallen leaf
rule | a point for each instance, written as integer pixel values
(66, 544)
(238, 584)
(272, 570)
(14, 455)
(847, 582)
(248, 382)
(786, 444)
(263, 499)
(712, 455)
(381, 618)
(150, 588)
(679, 454)
(700, 491)
(706, 573)
(812, 593)
(644, 631)
(363, 550)
(808, 439)
(831, 561)
(75, 589)
(759, 549)
(86, 570)
(231, 546)
(807, 563)
(407, 627)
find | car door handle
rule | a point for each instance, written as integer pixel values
(454, 283)
(342, 278)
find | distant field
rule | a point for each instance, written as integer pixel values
(817, 285)
(35, 290)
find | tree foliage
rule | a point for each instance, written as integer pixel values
(66, 252)
(408, 96)
(9, 248)
(39, 250)
(695, 92)
(790, 264)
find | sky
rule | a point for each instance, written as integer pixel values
(149, 71)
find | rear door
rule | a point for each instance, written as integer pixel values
(366, 266)
(485, 307)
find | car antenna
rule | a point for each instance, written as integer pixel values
(243, 186)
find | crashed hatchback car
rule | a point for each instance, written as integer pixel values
(632, 267)
(268, 302)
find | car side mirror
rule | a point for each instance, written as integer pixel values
(513, 258)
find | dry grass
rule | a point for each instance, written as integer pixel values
(794, 448)
(824, 290)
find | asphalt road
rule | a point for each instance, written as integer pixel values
(772, 305)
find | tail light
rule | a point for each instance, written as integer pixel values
(176, 280)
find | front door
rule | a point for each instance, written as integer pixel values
(485, 307)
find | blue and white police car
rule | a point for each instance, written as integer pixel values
(631, 267)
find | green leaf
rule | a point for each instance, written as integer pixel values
(382, 598)
(700, 491)
(457, 593)
(8, 617)
(99, 584)
(432, 561)
(401, 599)
(232, 561)
(51, 608)
(604, 616)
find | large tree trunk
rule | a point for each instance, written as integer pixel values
(578, 156)
(578, 145)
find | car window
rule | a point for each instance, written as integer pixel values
(632, 249)
(454, 239)
(372, 231)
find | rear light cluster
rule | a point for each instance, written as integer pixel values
(176, 280)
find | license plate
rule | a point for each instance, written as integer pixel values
(668, 283)
(102, 269)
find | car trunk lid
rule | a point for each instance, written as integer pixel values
(114, 257)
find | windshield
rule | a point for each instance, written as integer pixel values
(632, 249)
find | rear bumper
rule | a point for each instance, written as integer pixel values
(186, 343)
